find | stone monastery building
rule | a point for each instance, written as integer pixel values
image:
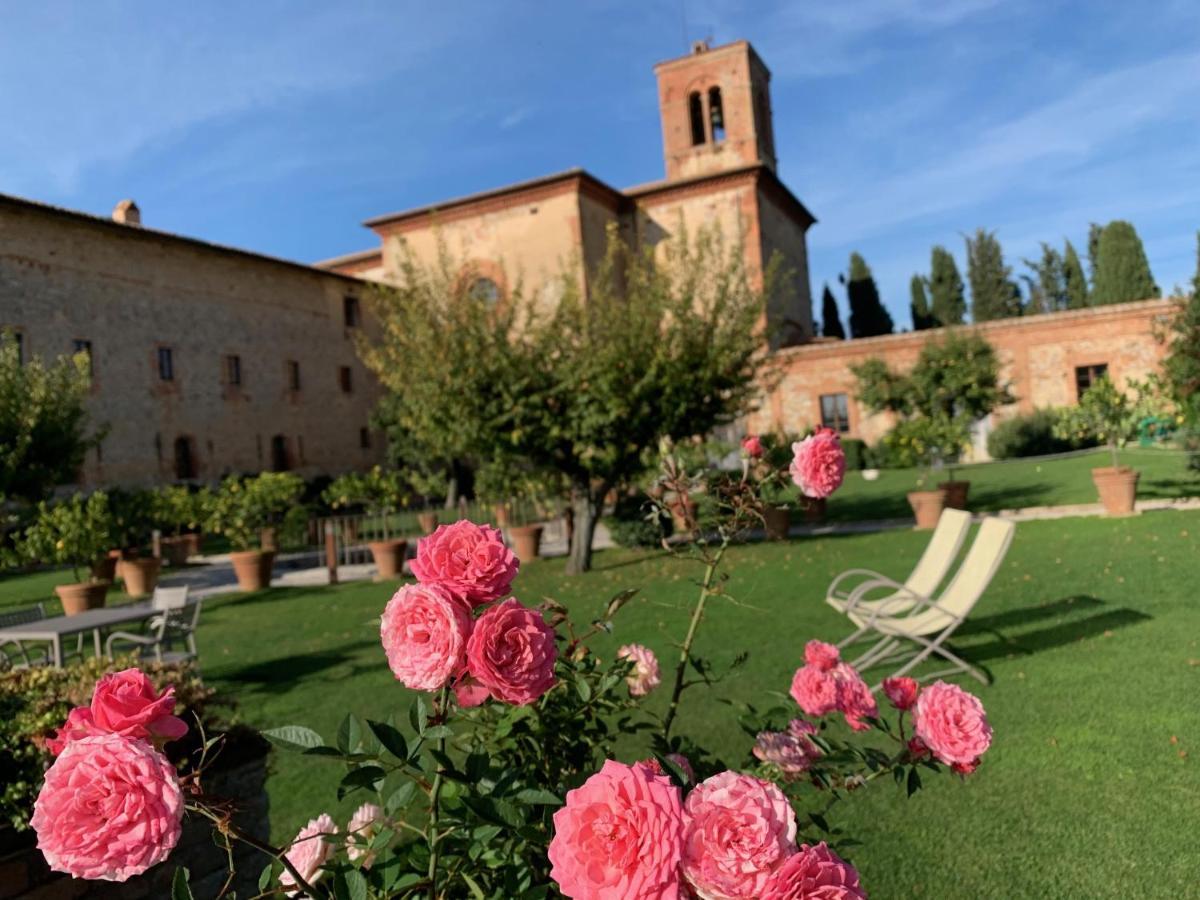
(209, 360)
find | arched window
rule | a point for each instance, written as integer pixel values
(485, 291)
(716, 114)
(279, 454)
(696, 114)
(185, 460)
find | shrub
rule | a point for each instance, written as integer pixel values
(243, 507)
(634, 524)
(1031, 434)
(856, 454)
(75, 532)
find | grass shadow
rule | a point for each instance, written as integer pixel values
(1031, 642)
(280, 675)
(1015, 617)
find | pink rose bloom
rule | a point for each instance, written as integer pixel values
(619, 837)
(79, 725)
(364, 825)
(127, 703)
(814, 690)
(814, 873)
(110, 809)
(855, 700)
(752, 446)
(424, 631)
(818, 464)
(645, 676)
(512, 652)
(469, 560)
(952, 724)
(791, 751)
(901, 692)
(309, 851)
(737, 831)
(822, 655)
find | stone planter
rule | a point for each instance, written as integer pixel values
(140, 575)
(428, 522)
(777, 520)
(814, 510)
(526, 541)
(956, 493)
(927, 506)
(77, 598)
(389, 556)
(175, 550)
(253, 568)
(1117, 488)
(105, 568)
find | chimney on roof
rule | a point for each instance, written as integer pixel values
(699, 47)
(127, 213)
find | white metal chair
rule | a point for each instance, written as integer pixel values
(13, 653)
(929, 622)
(176, 624)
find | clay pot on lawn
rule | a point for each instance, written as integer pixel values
(194, 540)
(526, 541)
(776, 520)
(927, 506)
(105, 568)
(140, 575)
(175, 550)
(428, 522)
(500, 515)
(1117, 487)
(956, 493)
(77, 598)
(389, 556)
(814, 510)
(253, 568)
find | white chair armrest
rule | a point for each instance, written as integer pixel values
(851, 573)
(127, 638)
(907, 595)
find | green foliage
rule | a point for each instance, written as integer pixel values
(919, 305)
(1048, 285)
(831, 322)
(867, 314)
(1104, 415)
(1181, 368)
(378, 490)
(1031, 434)
(992, 290)
(948, 305)
(133, 516)
(1122, 271)
(856, 454)
(1093, 253)
(243, 507)
(42, 421)
(636, 523)
(74, 532)
(177, 507)
(925, 441)
(1074, 280)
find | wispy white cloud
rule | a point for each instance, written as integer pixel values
(516, 117)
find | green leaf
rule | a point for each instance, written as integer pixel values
(366, 777)
(264, 879)
(293, 737)
(349, 734)
(615, 604)
(180, 889)
(418, 715)
(356, 885)
(437, 732)
(914, 781)
(325, 751)
(584, 688)
(539, 797)
(400, 797)
(391, 738)
(475, 888)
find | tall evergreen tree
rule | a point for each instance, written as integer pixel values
(1094, 231)
(1182, 364)
(948, 306)
(919, 305)
(1047, 286)
(1074, 281)
(992, 289)
(1122, 270)
(867, 315)
(831, 322)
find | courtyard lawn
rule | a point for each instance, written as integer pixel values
(1091, 629)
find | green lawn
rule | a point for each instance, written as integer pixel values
(1092, 632)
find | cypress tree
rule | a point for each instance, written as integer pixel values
(831, 323)
(992, 290)
(1073, 279)
(919, 305)
(1047, 287)
(1122, 270)
(867, 315)
(948, 306)
(1182, 364)
(1094, 231)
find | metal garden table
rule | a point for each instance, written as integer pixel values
(94, 620)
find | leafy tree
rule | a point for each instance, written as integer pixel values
(948, 304)
(74, 532)
(1104, 414)
(867, 314)
(1181, 368)
(43, 423)
(991, 280)
(831, 322)
(1074, 281)
(1122, 270)
(1047, 286)
(919, 305)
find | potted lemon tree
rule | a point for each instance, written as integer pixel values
(380, 492)
(1110, 417)
(245, 510)
(75, 533)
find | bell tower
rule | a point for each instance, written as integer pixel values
(715, 105)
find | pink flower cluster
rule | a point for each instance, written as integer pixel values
(431, 639)
(645, 676)
(790, 751)
(825, 684)
(111, 806)
(628, 834)
(752, 446)
(952, 724)
(317, 842)
(818, 464)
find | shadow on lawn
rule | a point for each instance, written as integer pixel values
(895, 506)
(278, 676)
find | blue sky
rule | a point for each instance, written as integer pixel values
(279, 127)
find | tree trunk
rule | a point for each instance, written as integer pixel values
(588, 504)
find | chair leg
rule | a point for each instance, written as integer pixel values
(935, 646)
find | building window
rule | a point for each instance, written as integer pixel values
(485, 291)
(1086, 376)
(279, 454)
(345, 380)
(79, 345)
(166, 364)
(364, 438)
(716, 115)
(233, 370)
(350, 311)
(185, 461)
(835, 412)
(696, 117)
(293, 375)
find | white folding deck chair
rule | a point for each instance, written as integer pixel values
(930, 622)
(931, 569)
(177, 621)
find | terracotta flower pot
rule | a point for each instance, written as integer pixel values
(428, 522)
(105, 568)
(526, 540)
(814, 510)
(253, 568)
(1117, 488)
(956, 493)
(268, 540)
(389, 556)
(140, 575)
(194, 541)
(500, 515)
(175, 550)
(77, 598)
(927, 506)
(777, 520)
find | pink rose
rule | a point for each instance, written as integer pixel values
(309, 851)
(752, 446)
(110, 809)
(818, 464)
(469, 560)
(952, 724)
(814, 873)
(737, 831)
(645, 676)
(619, 837)
(814, 690)
(901, 692)
(822, 655)
(424, 631)
(855, 700)
(127, 703)
(366, 822)
(79, 725)
(790, 751)
(512, 652)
